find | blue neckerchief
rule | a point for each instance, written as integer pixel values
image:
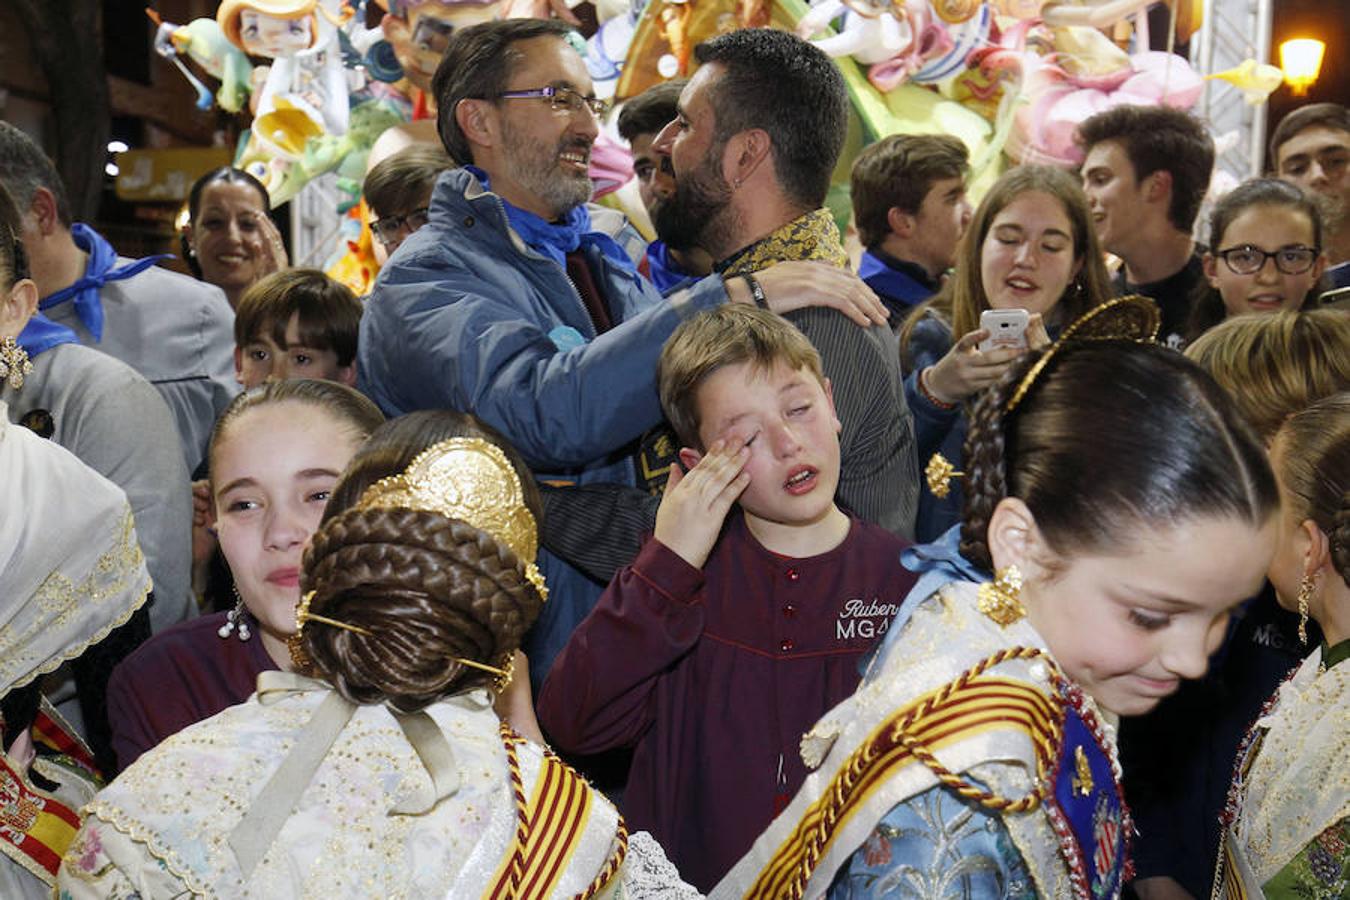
(936, 564)
(85, 291)
(557, 239)
(665, 274)
(901, 289)
(41, 333)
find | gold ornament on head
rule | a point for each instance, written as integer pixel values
(471, 480)
(939, 475)
(1001, 599)
(1132, 318)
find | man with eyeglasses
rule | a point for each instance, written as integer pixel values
(1311, 148)
(510, 305)
(1145, 172)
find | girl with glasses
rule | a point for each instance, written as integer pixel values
(1265, 254)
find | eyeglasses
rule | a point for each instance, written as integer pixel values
(561, 99)
(390, 228)
(1248, 260)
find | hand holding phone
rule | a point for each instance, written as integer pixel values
(1007, 329)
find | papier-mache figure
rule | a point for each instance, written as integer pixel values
(305, 92)
(419, 29)
(202, 41)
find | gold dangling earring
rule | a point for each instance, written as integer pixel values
(1305, 592)
(1001, 599)
(14, 363)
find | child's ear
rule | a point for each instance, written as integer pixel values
(1013, 537)
(238, 364)
(18, 307)
(689, 457)
(1317, 553)
(347, 374)
(1210, 264)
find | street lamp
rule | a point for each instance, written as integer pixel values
(1301, 60)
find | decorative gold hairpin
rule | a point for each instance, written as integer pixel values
(1133, 318)
(503, 673)
(471, 480)
(296, 644)
(303, 615)
(939, 475)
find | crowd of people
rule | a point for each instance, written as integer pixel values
(569, 564)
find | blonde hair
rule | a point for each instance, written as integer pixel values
(964, 297)
(726, 336)
(1275, 365)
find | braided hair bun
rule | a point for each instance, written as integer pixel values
(427, 589)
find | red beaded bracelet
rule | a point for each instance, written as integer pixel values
(927, 394)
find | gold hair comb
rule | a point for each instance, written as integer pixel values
(1133, 318)
(471, 480)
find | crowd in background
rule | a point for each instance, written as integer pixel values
(1005, 556)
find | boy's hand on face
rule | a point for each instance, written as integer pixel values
(695, 504)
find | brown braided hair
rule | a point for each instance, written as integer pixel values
(428, 588)
(1313, 450)
(425, 586)
(1112, 434)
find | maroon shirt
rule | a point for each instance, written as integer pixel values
(180, 676)
(714, 676)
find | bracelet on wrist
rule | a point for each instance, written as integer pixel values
(928, 394)
(756, 291)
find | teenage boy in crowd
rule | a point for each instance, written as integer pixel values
(734, 630)
(910, 208)
(640, 121)
(397, 190)
(1311, 148)
(1146, 172)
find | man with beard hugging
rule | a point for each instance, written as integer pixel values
(509, 304)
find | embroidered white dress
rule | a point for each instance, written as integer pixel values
(373, 820)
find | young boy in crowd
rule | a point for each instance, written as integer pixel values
(733, 630)
(297, 323)
(910, 206)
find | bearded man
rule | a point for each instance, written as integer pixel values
(509, 304)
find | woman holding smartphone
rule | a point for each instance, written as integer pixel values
(1030, 246)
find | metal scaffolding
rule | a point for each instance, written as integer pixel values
(1233, 30)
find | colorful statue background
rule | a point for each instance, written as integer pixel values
(1011, 78)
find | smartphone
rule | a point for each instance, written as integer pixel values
(1007, 329)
